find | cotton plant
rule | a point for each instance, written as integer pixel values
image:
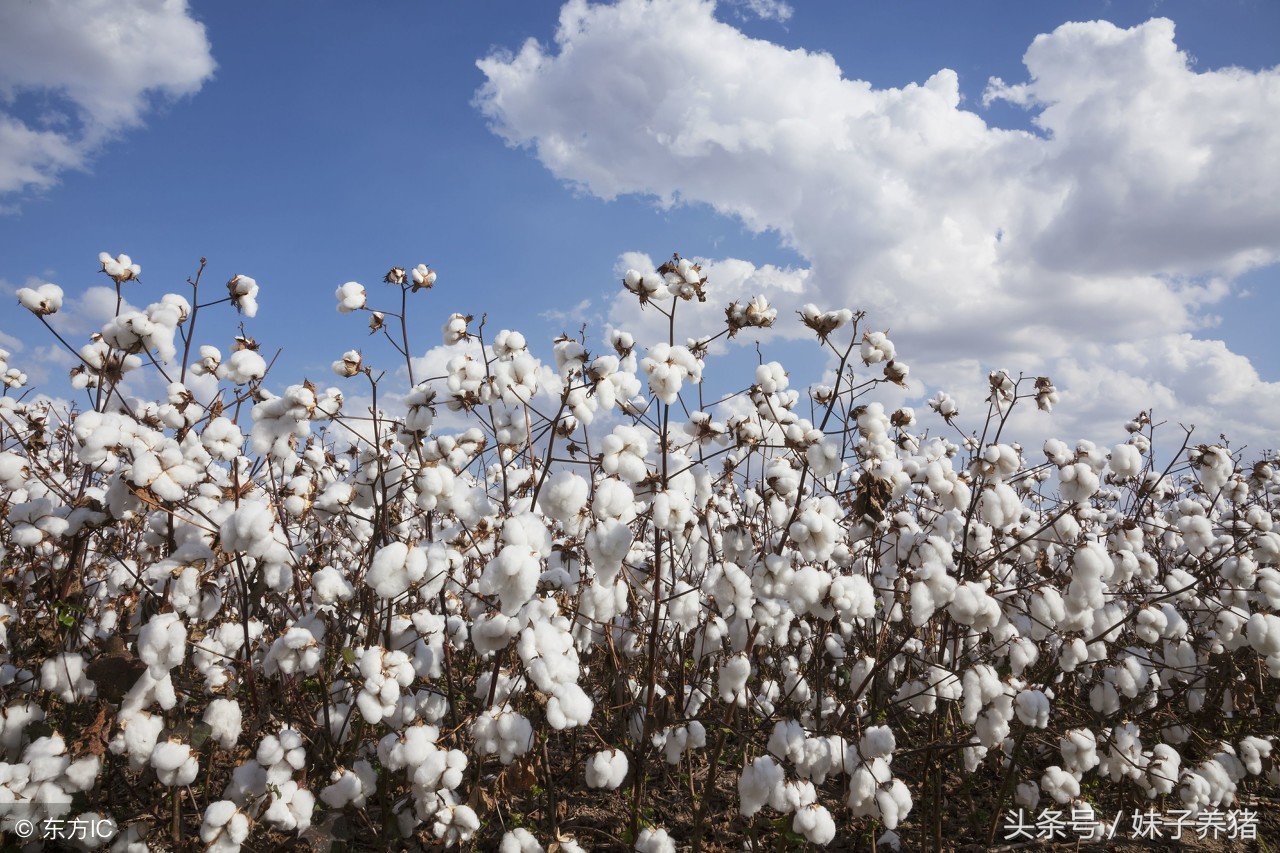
(543, 545)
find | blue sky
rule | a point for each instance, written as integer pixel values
(308, 145)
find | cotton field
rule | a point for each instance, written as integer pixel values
(569, 604)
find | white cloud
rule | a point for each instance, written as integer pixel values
(765, 10)
(89, 311)
(1149, 187)
(104, 60)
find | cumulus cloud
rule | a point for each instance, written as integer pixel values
(93, 67)
(1070, 251)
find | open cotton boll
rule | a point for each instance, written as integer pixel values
(224, 827)
(1079, 748)
(244, 294)
(385, 673)
(1059, 784)
(655, 841)
(137, 738)
(972, 607)
(667, 368)
(512, 576)
(174, 764)
(328, 587)
(121, 267)
(815, 823)
(876, 347)
(1125, 461)
(894, 803)
(1032, 707)
(519, 841)
(224, 720)
(244, 366)
(1027, 795)
(162, 644)
(1077, 483)
(41, 301)
(64, 675)
(1253, 751)
(1163, 770)
(760, 783)
(291, 807)
(350, 786)
(351, 297)
(396, 566)
(1000, 506)
(503, 732)
(1263, 633)
(455, 329)
(877, 742)
(563, 496)
(733, 677)
(607, 769)
(569, 706)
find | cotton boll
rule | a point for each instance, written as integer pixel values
(655, 841)
(224, 827)
(244, 366)
(1027, 795)
(1162, 770)
(1059, 784)
(877, 742)
(852, 597)
(793, 796)
(1032, 707)
(1126, 461)
(328, 587)
(894, 804)
(455, 329)
(1079, 748)
(733, 677)
(121, 268)
(1057, 452)
(607, 769)
(162, 644)
(876, 347)
(668, 368)
(999, 506)
(1263, 633)
(1077, 483)
(501, 731)
(1253, 751)
(64, 675)
(519, 841)
(41, 301)
(351, 297)
(174, 764)
(758, 783)
(244, 294)
(563, 496)
(290, 808)
(512, 576)
(570, 706)
(815, 823)
(222, 439)
(971, 606)
(224, 720)
(350, 786)
(396, 566)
